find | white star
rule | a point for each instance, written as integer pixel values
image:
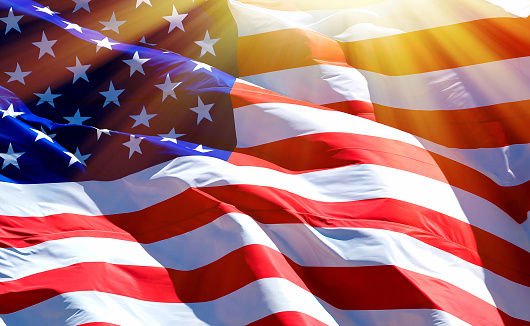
(142, 118)
(201, 65)
(111, 95)
(81, 4)
(77, 119)
(136, 64)
(113, 24)
(207, 44)
(41, 135)
(46, 10)
(175, 20)
(12, 21)
(168, 88)
(203, 111)
(172, 136)
(104, 43)
(10, 112)
(77, 157)
(72, 26)
(45, 46)
(102, 131)
(79, 70)
(202, 150)
(18, 75)
(10, 157)
(47, 97)
(139, 2)
(134, 145)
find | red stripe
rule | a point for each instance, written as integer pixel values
(512, 200)
(49, 235)
(359, 108)
(286, 49)
(483, 127)
(245, 94)
(439, 48)
(186, 211)
(140, 282)
(286, 318)
(335, 149)
(375, 287)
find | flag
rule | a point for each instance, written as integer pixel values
(264, 162)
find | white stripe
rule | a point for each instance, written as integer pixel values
(520, 8)
(306, 246)
(278, 121)
(349, 183)
(334, 83)
(16, 263)
(131, 193)
(526, 224)
(381, 19)
(397, 317)
(507, 166)
(84, 307)
(451, 89)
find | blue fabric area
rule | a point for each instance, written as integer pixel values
(109, 126)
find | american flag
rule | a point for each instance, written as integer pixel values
(264, 162)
